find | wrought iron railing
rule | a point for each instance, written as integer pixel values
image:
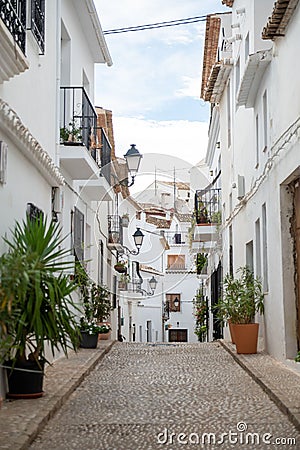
(176, 267)
(38, 22)
(115, 230)
(78, 123)
(208, 206)
(175, 237)
(13, 15)
(105, 157)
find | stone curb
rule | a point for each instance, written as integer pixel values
(275, 391)
(56, 400)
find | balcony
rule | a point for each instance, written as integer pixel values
(82, 154)
(115, 233)
(254, 71)
(175, 238)
(12, 38)
(207, 214)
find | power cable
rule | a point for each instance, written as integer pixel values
(170, 23)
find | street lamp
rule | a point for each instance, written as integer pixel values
(133, 160)
(152, 283)
(176, 303)
(138, 238)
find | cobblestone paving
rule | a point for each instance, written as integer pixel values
(142, 393)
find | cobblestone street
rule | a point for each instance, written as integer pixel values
(140, 394)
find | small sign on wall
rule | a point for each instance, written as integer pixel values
(3, 161)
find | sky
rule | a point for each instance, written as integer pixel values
(153, 87)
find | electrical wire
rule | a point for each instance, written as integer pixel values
(151, 26)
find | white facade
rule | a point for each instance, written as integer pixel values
(36, 168)
(259, 136)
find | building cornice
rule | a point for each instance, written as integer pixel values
(28, 145)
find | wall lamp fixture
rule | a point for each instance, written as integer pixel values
(133, 160)
(138, 238)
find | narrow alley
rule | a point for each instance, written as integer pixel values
(151, 396)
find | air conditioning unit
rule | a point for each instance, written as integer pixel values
(240, 187)
(3, 161)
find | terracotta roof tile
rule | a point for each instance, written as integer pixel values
(213, 24)
(281, 15)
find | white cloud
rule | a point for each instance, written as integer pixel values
(184, 139)
(152, 71)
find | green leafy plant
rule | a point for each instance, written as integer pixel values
(105, 328)
(71, 134)
(242, 297)
(201, 261)
(35, 293)
(200, 313)
(95, 298)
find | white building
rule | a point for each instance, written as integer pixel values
(47, 56)
(259, 139)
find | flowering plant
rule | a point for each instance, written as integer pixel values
(89, 327)
(105, 328)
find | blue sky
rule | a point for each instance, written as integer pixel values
(153, 87)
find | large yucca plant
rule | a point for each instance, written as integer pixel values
(36, 307)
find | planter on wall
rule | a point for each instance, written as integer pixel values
(246, 337)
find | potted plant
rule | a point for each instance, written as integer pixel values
(89, 332)
(120, 267)
(71, 135)
(104, 331)
(242, 298)
(124, 280)
(36, 309)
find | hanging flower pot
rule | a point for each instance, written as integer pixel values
(120, 267)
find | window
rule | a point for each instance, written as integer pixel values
(38, 22)
(257, 249)
(173, 301)
(34, 212)
(176, 262)
(249, 255)
(265, 121)
(114, 292)
(78, 235)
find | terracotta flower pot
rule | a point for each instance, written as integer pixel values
(246, 337)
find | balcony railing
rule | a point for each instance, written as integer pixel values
(38, 22)
(13, 15)
(175, 238)
(78, 124)
(174, 267)
(208, 206)
(115, 230)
